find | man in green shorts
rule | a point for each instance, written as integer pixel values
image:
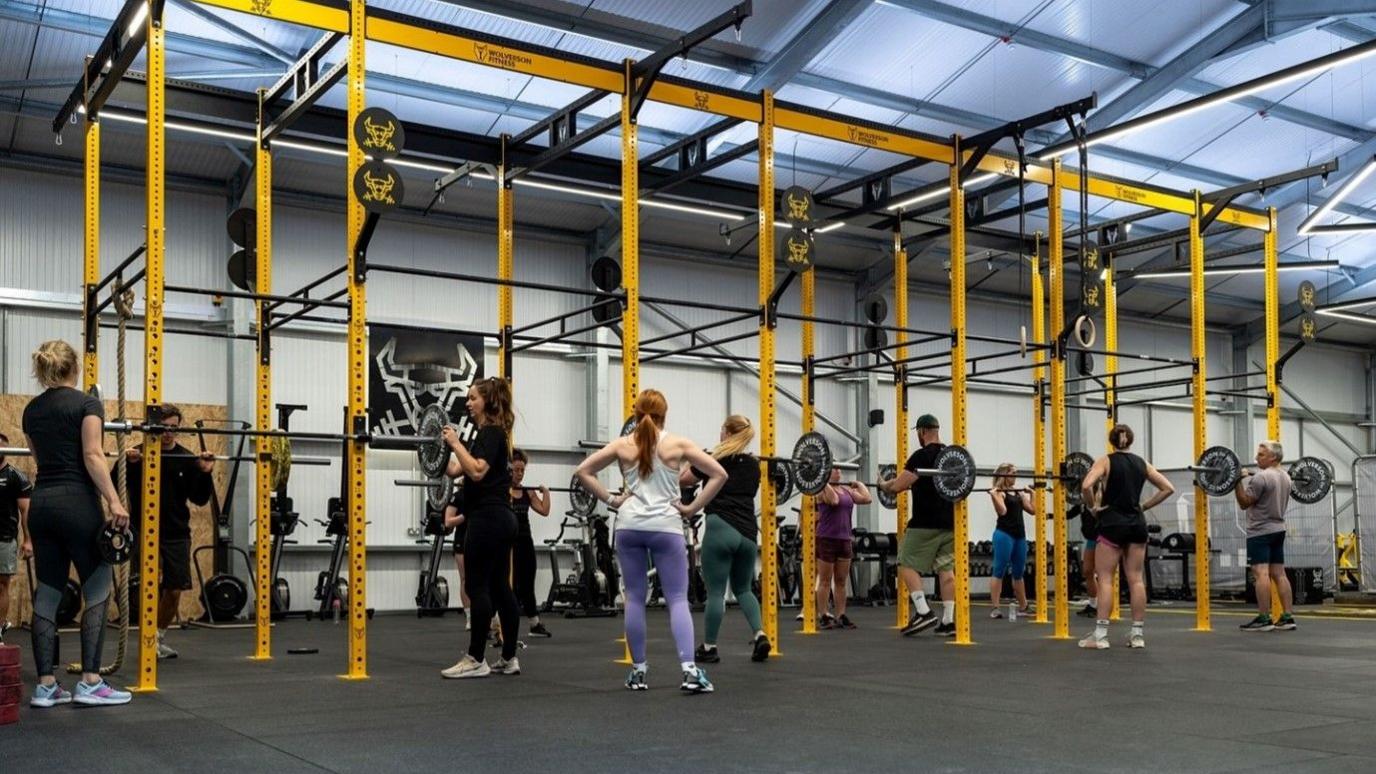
(929, 542)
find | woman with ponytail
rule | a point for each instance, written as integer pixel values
(491, 526)
(730, 550)
(649, 526)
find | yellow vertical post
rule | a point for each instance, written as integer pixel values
(1039, 425)
(807, 515)
(262, 616)
(1202, 620)
(1270, 256)
(505, 253)
(900, 407)
(630, 258)
(90, 255)
(958, 408)
(1110, 369)
(769, 556)
(1056, 269)
(149, 569)
(358, 374)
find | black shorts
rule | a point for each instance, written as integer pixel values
(1123, 535)
(460, 532)
(175, 562)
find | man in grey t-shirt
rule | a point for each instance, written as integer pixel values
(1265, 495)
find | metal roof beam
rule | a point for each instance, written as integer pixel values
(233, 30)
(799, 52)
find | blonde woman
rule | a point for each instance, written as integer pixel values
(1010, 536)
(730, 548)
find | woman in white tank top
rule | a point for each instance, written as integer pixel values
(649, 526)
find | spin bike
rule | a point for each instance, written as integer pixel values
(432, 595)
(589, 591)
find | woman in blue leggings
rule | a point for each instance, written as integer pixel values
(649, 526)
(1010, 537)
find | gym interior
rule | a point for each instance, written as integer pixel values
(294, 236)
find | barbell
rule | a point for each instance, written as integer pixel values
(1218, 470)
(20, 451)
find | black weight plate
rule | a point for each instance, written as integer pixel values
(242, 226)
(876, 308)
(438, 493)
(875, 337)
(607, 311)
(800, 250)
(70, 604)
(887, 499)
(242, 270)
(628, 426)
(432, 456)
(811, 462)
(781, 475)
(606, 274)
(302, 651)
(281, 595)
(1310, 480)
(1308, 295)
(379, 133)
(957, 477)
(581, 501)
(225, 596)
(1224, 472)
(378, 187)
(1309, 327)
(1073, 472)
(796, 206)
(115, 545)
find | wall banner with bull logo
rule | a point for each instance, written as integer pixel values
(411, 368)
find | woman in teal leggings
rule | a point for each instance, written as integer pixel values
(729, 550)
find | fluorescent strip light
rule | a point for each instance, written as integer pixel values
(936, 192)
(1360, 318)
(613, 197)
(1248, 269)
(1354, 304)
(140, 16)
(1347, 187)
(821, 230)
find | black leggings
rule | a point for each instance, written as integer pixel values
(487, 563)
(523, 566)
(65, 523)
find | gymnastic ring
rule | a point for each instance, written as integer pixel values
(1085, 332)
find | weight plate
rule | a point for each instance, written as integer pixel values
(70, 604)
(606, 274)
(628, 426)
(811, 462)
(876, 308)
(799, 249)
(378, 187)
(957, 477)
(1310, 480)
(781, 475)
(379, 133)
(243, 272)
(242, 226)
(281, 595)
(432, 456)
(115, 545)
(797, 206)
(1309, 327)
(1308, 294)
(1073, 472)
(1223, 473)
(607, 311)
(225, 596)
(581, 501)
(438, 493)
(875, 337)
(887, 499)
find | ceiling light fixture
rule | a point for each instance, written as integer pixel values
(939, 190)
(1250, 268)
(1307, 225)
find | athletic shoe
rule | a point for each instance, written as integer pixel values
(1088, 611)
(467, 667)
(1027, 612)
(798, 617)
(99, 694)
(504, 667)
(826, 622)
(696, 681)
(706, 655)
(539, 630)
(1094, 642)
(997, 612)
(49, 696)
(164, 651)
(1286, 623)
(1262, 623)
(635, 681)
(4, 627)
(1136, 640)
(761, 650)
(844, 622)
(921, 622)
(946, 630)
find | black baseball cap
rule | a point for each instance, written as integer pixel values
(926, 421)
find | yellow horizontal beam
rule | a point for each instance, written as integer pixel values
(303, 12)
(895, 142)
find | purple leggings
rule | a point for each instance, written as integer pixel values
(634, 549)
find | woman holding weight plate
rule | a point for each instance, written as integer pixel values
(1122, 533)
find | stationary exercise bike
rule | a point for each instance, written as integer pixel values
(331, 588)
(224, 595)
(589, 589)
(432, 594)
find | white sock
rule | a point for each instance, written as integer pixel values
(920, 602)
(1092, 604)
(161, 634)
(689, 667)
(1101, 629)
(641, 667)
(1137, 627)
(948, 611)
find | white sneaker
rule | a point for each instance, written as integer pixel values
(1136, 641)
(467, 667)
(504, 667)
(996, 613)
(164, 651)
(1093, 642)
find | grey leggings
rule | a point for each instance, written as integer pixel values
(65, 523)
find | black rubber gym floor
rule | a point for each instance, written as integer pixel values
(838, 701)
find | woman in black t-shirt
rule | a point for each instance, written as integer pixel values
(524, 500)
(1010, 537)
(65, 429)
(486, 466)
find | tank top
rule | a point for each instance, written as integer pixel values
(520, 505)
(1122, 501)
(650, 508)
(1011, 520)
